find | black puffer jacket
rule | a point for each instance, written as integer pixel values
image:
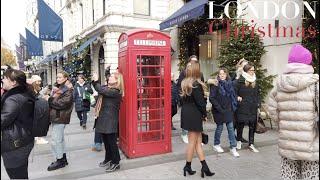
(248, 107)
(17, 107)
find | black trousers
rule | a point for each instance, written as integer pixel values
(82, 115)
(111, 147)
(174, 111)
(252, 129)
(18, 173)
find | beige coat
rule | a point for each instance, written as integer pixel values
(291, 105)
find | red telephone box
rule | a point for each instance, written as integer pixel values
(145, 114)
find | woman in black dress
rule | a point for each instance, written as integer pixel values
(193, 112)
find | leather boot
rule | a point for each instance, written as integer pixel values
(187, 168)
(205, 169)
(64, 157)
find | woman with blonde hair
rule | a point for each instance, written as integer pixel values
(107, 109)
(120, 81)
(193, 113)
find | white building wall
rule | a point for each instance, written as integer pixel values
(174, 5)
(277, 47)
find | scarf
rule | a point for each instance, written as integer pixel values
(56, 92)
(97, 108)
(248, 77)
(81, 84)
(226, 89)
(298, 68)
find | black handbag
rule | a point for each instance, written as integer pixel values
(14, 137)
(205, 138)
(86, 103)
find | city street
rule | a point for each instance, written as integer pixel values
(83, 163)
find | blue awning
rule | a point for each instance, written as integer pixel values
(53, 57)
(46, 59)
(190, 10)
(84, 45)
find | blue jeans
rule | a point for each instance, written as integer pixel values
(217, 134)
(57, 140)
(97, 138)
(82, 115)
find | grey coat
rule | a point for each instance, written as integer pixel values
(108, 119)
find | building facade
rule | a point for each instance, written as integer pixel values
(109, 18)
(105, 18)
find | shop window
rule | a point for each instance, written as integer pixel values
(141, 7)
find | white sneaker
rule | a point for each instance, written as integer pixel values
(40, 140)
(218, 148)
(253, 149)
(239, 143)
(185, 138)
(234, 152)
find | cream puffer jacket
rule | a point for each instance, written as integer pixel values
(291, 105)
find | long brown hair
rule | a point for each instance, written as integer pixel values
(225, 70)
(193, 74)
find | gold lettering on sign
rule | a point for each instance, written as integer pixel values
(143, 42)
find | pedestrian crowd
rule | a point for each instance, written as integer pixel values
(235, 99)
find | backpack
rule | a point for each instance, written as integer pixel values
(41, 120)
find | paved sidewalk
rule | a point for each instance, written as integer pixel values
(83, 163)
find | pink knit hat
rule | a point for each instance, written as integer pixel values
(299, 54)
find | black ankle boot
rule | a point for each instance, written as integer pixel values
(187, 168)
(60, 163)
(65, 158)
(205, 169)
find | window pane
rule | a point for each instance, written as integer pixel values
(141, 7)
